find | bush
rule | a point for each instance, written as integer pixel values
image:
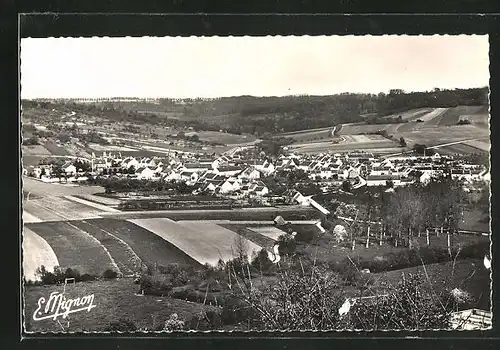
(407, 306)
(159, 280)
(87, 277)
(174, 323)
(236, 310)
(286, 244)
(32, 141)
(427, 255)
(262, 263)
(59, 275)
(206, 320)
(109, 274)
(347, 271)
(122, 325)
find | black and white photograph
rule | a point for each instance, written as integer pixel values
(255, 183)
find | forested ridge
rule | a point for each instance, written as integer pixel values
(260, 115)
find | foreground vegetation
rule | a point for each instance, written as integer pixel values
(295, 294)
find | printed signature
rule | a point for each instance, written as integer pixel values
(57, 305)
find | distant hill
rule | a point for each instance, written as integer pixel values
(261, 115)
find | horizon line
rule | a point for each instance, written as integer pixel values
(248, 95)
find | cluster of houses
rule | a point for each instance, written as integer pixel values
(241, 173)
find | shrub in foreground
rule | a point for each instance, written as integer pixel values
(121, 325)
(59, 276)
(109, 274)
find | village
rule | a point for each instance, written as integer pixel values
(240, 174)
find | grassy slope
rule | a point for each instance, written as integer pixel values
(123, 255)
(114, 299)
(326, 248)
(148, 246)
(36, 252)
(73, 248)
(248, 233)
(469, 275)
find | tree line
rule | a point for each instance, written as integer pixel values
(258, 115)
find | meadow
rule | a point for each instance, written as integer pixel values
(73, 247)
(115, 300)
(148, 246)
(204, 242)
(36, 252)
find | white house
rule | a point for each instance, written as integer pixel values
(130, 162)
(265, 167)
(219, 161)
(249, 173)
(189, 176)
(228, 186)
(261, 190)
(171, 175)
(146, 162)
(145, 173)
(69, 169)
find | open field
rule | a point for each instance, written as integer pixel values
(204, 242)
(269, 231)
(432, 115)
(41, 189)
(475, 220)
(73, 247)
(115, 300)
(222, 137)
(30, 159)
(460, 148)
(39, 213)
(37, 150)
(250, 235)
(309, 135)
(92, 203)
(482, 145)
(356, 129)
(327, 249)
(36, 252)
(125, 258)
(385, 145)
(469, 275)
(107, 201)
(56, 149)
(453, 115)
(247, 214)
(112, 148)
(150, 247)
(444, 134)
(27, 217)
(411, 114)
(62, 207)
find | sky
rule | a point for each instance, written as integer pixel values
(180, 67)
